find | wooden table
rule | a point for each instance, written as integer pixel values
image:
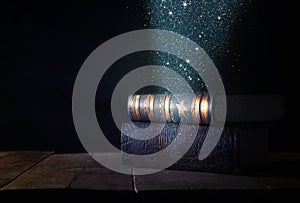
(30, 171)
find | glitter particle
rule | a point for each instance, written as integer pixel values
(208, 23)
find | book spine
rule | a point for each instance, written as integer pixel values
(200, 108)
(167, 108)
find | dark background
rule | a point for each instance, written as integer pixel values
(43, 45)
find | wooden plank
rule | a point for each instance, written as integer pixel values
(57, 171)
(96, 177)
(107, 157)
(81, 171)
(102, 179)
(280, 183)
(14, 163)
(187, 180)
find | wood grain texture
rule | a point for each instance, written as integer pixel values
(28, 171)
(280, 183)
(12, 164)
(102, 179)
(57, 171)
(188, 180)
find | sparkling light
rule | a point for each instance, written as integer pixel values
(210, 23)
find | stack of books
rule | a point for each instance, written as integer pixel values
(164, 117)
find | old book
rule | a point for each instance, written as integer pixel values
(238, 148)
(200, 108)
